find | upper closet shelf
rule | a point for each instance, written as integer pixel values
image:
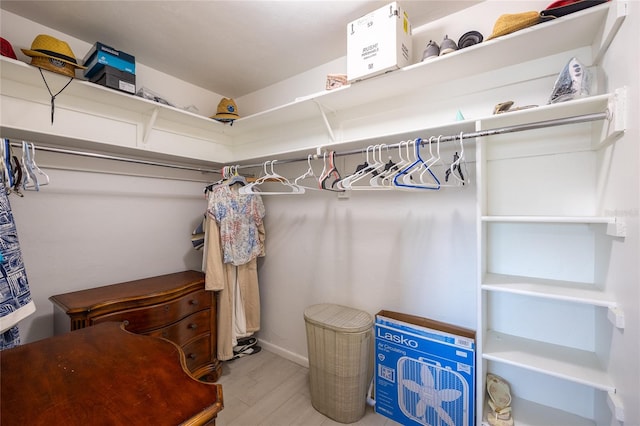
(89, 115)
(590, 27)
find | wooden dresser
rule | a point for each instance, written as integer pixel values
(174, 306)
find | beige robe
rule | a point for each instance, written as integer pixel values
(223, 278)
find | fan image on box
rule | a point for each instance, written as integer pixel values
(430, 394)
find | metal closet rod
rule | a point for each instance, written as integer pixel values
(117, 158)
(489, 132)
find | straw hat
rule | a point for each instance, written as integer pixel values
(52, 54)
(510, 23)
(227, 110)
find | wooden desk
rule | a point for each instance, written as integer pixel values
(103, 375)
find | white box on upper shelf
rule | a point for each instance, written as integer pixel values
(378, 42)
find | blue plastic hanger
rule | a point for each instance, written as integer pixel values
(418, 163)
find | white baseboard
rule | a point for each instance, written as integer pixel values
(300, 360)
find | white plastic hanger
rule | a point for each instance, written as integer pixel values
(306, 175)
(367, 167)
(29, 179)
(45, 177)
(373, 171)
(271, 176)
(460, 165)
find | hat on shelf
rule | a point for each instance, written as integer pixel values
(7, 49)
(227, 111)
(564, 7)
(512, 22)
(55, 55)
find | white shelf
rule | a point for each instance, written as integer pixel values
(568, 291)
(551, 219)
(529, 413)
(20, 72)
(549, 38)
(575, 365)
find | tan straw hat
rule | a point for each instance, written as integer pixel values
(227, 110)
(510, 23)
(52, 54)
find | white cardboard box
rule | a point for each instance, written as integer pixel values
(378, 42)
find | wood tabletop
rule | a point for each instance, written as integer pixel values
(102, 375)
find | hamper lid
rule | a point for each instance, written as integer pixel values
(339, 318)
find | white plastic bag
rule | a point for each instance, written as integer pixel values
(573, 82)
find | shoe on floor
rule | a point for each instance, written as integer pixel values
(249, 351)
(244, 344)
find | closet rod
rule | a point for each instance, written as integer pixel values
(488, 132)
(117, 158)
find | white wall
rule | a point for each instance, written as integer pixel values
(412, 252)
(87, 229)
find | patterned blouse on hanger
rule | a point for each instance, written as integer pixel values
(238, 216)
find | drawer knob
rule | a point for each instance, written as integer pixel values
(193, 326)
(192, 356)
(194, 302)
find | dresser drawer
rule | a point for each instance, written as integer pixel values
(142, 320)
(198, 352)
(186, 329)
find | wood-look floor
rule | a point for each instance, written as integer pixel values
(266, 389)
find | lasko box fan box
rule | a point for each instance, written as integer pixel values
(424, 371)
(378, 42)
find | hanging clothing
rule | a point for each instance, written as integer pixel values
(238, 216)
(234, 232)
(15, 296)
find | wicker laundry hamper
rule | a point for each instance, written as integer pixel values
(340, 346)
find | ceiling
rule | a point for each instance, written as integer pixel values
(229, 47)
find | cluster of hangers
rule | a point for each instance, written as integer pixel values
(411, 165)
(21, 174)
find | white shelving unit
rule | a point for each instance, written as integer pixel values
(544, 306)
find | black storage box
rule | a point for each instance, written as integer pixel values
(115, 79)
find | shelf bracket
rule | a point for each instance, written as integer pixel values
(615, 405)
(617, 228)
(616, 317)
(616, 123)
(326, 121)
(150, 123)
(615, 17)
